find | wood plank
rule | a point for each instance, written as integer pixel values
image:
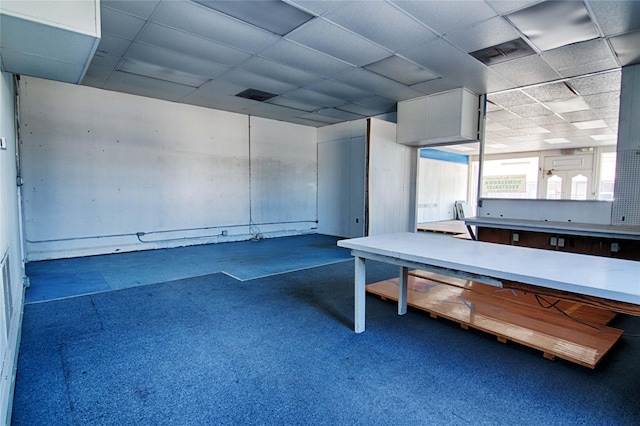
(549, 331)
(580, 312)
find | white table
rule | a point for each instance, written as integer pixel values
(600, 277)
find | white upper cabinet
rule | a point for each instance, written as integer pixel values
(54, 40)
(447, 117)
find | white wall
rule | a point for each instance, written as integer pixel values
(106, 172)
(284, 170)
(441, 184)
(341, 179)
(12, 294)
(627, 187)
(389, 180)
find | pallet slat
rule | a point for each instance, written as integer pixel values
(510, 316)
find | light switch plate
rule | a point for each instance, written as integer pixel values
(3, 143)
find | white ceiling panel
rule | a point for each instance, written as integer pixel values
(305, 59)
(616, 17)
(199, 20)
(337, 61)
(291, 103)
(279, 71)
(528, 70)
(435, 86)
(374, 83)
(359, 109)
(339, 90)
(377, 103)
(578, 54)
(170, 59)
(317, 7)
(337, 42)
(484, 34)
(149, 87)
(112, 45)
(447, 16)
(120, 24)
(198, 47)
(140, 8)
(444, 59)
(315, 98)
(626, 47)
(253, 81)
(381, 23)
(505, 6)
(340, 114)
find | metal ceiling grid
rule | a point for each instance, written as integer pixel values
(355, 59)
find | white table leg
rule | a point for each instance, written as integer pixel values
(360, 294)
(402, 290)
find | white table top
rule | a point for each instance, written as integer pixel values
(604, 277)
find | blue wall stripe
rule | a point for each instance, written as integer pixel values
(435, 154)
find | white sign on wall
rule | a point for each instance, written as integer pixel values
(504, 183)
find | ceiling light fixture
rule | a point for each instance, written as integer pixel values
(552, 24)
(272, 15)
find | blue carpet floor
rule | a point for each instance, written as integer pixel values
(242, 260)
(280, 349)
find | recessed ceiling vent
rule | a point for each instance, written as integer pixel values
(256, 95)
(502, 52)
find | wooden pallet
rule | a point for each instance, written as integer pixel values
(455, 228)
(570, 331)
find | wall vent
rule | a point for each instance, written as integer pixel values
(502, 52)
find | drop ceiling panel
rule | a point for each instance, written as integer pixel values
(317, 7)
(113, 45)
(484, 34)
(361, 110)
(198, 47)
(626, 47)
(20, 63)
(601, 83)
(278, 71)
(378, 103)
(512, 98)
(199, 20)
(616, 17)
(297, 56)
(435, 86)
(578, 54)
(592, 67)
(340, 114)
(444, 59)
(337, 42)
(506, 6)
(254, 81)
(525, 71)
(141, 9)
(377, 84)
(152, 88)
(120, 24)
(603, 100)
(315, 98)
(446, 16)
(174, 60)
(338, 90)
(381, 23)
(554, 24)
(291, 103)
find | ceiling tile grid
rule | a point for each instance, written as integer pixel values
(332, 61)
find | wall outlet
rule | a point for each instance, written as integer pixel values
(225, 233)
(516, 237)
(3, 143)
(615, 247)
(560, 242)
(553, 241)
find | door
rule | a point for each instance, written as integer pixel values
(568, 177)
